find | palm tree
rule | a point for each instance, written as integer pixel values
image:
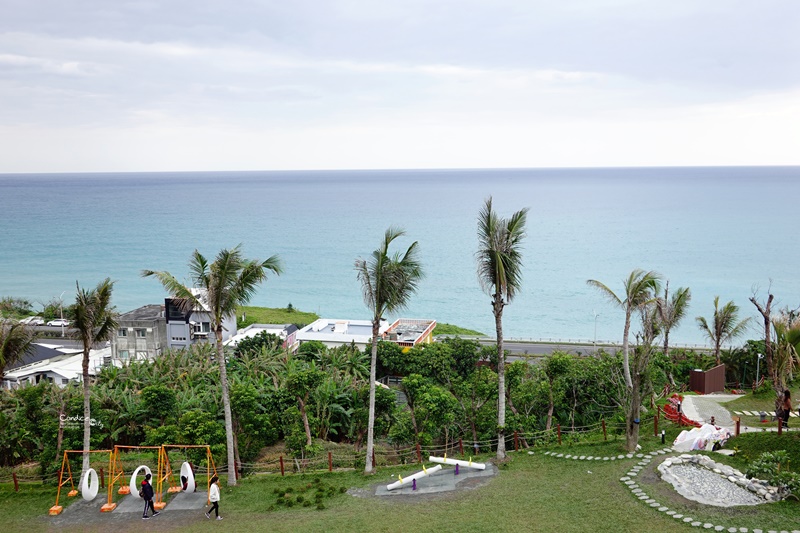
(387, 283)
(671, 311)
(16, 340)
(95, 321)
(500, 273)
(640, 290)
(787, 345)
(227, 283)
(725, 326)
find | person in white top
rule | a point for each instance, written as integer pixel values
(213, 497)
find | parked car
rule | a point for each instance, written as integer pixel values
(59, 322)
(33, 321)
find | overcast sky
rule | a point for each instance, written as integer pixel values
(112, 85)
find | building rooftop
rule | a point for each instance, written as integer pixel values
(281, 330)
(408, 332)
(146, 312)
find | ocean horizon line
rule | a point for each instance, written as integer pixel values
(94, 173)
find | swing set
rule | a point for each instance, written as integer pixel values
(163, 480)
(90, 485)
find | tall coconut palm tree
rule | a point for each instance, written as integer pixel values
(16, 340)
(95, 321)
(387, 283)
(499, 258)
(227, 283)
(641, 289)
(725, 325)
(671, 311)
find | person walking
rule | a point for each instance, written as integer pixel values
(148, 493)
(213, 497)
(786, 408)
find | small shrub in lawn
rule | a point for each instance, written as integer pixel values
(289, 489)
(276, 490)
(309, 485)
(320, 506)
(300, 499)
(281, 500)
(271, 508)
(307, 503)
(317, 480)
(289, 503)
(342, 489)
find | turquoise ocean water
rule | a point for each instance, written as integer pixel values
(721, 231)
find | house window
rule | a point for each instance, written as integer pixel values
(202, 327)
(179, 339)
(64, 381)
(123, 354)
(141, 333)
(122, 332)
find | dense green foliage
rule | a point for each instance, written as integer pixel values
(445, 391)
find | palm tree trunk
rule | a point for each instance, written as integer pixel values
(60, 438)
(87, 414)
(237, 459)
(226, 406)
(304, 415)
(626, 367)
(631, 427)
(368, 466)
(550, 408)
(501, 379)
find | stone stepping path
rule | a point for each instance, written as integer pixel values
(629, 479)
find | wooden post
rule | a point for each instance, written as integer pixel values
(236, 469)
(330, 462)
(282, 472)
(780, 426)
(461, 446)
(516, 441)
(102, 478)
(419, 453)
(558, 427)
(16, 482)
(605, 435)
(738, 422)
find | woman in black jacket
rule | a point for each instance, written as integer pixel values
(147, 494)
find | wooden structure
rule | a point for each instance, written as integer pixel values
(712, 380)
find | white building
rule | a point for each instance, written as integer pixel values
(286, 332)
(332, 333)
(56, 364)
(187, 328)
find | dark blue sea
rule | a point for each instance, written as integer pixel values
(724, 231)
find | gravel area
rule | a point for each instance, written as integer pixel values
(700, 484)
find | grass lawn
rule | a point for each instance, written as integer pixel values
(530, 493)
(449, 329)
(266, 315)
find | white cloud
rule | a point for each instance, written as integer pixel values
(349, 84)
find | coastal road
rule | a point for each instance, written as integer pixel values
(546, 348)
